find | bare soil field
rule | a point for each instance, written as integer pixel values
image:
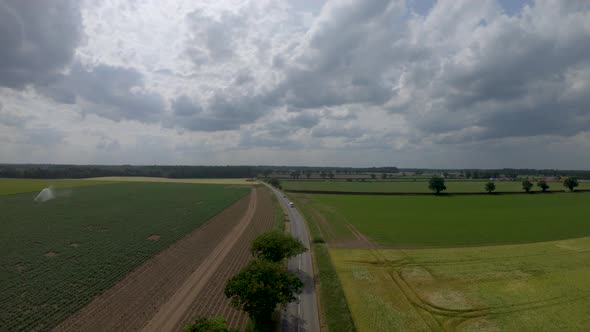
(133, 302)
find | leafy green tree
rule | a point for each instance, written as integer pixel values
(323, 174)
(214, 324)
(490, 186)
(308, 174)
(437, 184)
(276, 246)
(331, 175)
(275, 183)
(373, 176)
(543, 185)
(571, 183)
(259, 288)
(527, 185)
(383, 176)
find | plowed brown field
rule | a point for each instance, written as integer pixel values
(221, 246)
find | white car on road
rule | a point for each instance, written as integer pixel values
(291, 204)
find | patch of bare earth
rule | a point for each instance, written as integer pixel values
(133, 301)
(51, 254)
(21, 266)
(74, 245)
(153, 237)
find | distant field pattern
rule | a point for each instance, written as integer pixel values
(168, 180)
(57, 255)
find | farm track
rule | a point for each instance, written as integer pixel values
(202, 293)
(130, 304)
(212, 301)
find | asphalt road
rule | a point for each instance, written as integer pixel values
(303, 314)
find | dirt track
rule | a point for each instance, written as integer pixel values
(175, 310)
(189, 264)
(211, 301)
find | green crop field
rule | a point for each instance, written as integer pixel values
(57, 255)
(532, 287)
(430, 221)
(15, 186)
(413, 186)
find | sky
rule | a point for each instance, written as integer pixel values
(355, 83)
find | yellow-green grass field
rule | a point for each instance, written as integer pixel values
(15, 186)
(457, 186)
(168, 180)
(530, 287)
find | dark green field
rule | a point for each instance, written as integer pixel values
(429, 221)
(57, 255)
(398, 186)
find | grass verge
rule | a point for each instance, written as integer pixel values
(279, 214)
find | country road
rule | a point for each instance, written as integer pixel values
(301, 315)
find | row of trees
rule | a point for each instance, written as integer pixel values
(261, 286)
(437, 184)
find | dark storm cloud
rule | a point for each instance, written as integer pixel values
(37, 40)
(352, 132)
(114, 93)
(305, 119)
(223, 112)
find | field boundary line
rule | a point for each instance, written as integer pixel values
(382, 193)
(176, 309)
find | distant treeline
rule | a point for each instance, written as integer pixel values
(510, 173)
(41, 171)
(88, 171)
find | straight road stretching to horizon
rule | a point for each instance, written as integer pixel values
(303, 314)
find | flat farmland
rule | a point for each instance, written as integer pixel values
(413, 186)
(455, 263)
(530, 287)
(227, 182)
(430, 221)
(15, 186)
(58, 255)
